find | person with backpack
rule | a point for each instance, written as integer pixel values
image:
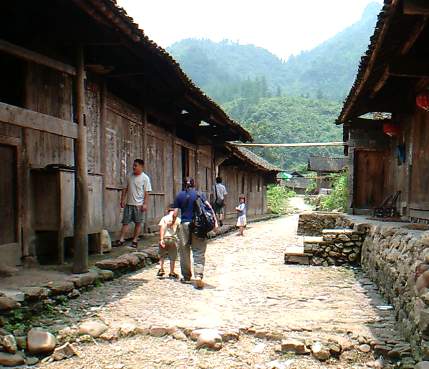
(220, 193)
(197, 219)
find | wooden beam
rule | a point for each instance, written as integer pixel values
(80, 244)
(300, 144)
(41, 122)
(409, 68)
(35, 57)
(416, 7)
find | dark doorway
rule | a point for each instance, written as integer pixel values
(185, 163)
(8, 199)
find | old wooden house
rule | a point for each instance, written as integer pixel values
(324, 166)
(83, 92)
(245, 173)
(386, 118)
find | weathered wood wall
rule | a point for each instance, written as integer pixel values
(378, 172)
(251, 184)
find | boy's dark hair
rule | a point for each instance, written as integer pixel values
(242, 197)
(139, 162)
(189, 183)
(218, 179)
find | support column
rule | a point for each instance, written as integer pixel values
(80, 261)
(27, 235)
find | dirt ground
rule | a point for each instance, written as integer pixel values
(247, 286)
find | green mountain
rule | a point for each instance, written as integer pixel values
(279, 101)
(223, 69)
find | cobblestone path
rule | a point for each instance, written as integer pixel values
(248, 287)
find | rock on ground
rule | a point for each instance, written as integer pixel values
(40, 341)
(11, 360)
(93, 328)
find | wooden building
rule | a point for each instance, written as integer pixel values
(83, 93)
(244, 172)
(324, 166)
(389, 149)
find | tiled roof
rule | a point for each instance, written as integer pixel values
(108, 11)
(254, 159)
(369, 68)
(327, 164)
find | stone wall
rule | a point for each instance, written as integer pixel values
(335, 247)
(313, 223)
(397, 260)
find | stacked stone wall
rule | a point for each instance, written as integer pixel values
(313, 223)
(335, 247)
(397, 260)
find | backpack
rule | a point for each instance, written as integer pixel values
(203, 220)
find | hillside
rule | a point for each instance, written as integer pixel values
(286, 120)
(327, 71)
(277, 101)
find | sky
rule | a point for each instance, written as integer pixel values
(284, 27)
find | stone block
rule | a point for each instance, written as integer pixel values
(60, 287)
(83, 280)
(40, 341)
(294, 346)
(300, 259)
(11, 360)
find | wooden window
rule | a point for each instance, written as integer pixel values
(185, 162)
(8, 200)
(12, 77)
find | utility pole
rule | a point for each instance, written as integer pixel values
(80, 261)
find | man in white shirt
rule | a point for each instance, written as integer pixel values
(134, 199)
(219, 199)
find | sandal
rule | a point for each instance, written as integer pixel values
(173, 276)
(160, 273)
(135, 244)
(119, 243)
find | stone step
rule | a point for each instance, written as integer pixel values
(312, 239)
(345, 231)
(297, 258)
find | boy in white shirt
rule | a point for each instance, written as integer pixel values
(168, 240)
(134, 199)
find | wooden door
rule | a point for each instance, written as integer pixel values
(8, 199)
(419, 194)
(369, 175)
(155, 167)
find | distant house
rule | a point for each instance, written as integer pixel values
(298, 184)
(244, 172)
(389, 152)
(325, 165)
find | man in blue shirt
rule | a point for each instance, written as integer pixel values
(185, 201)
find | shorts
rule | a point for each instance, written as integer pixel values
(242, 221)
(219, 208)
(132, 213)
(170, 248)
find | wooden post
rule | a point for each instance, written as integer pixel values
(28, 237)
(80, 262)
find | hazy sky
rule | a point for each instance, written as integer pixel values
(284, 27)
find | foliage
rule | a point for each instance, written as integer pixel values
(286, 120)
(278, 198)
(311, 187)
(338, 198)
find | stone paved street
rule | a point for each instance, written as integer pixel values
(248, 287)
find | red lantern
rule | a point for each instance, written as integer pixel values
(422, 100)
(391, 129)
